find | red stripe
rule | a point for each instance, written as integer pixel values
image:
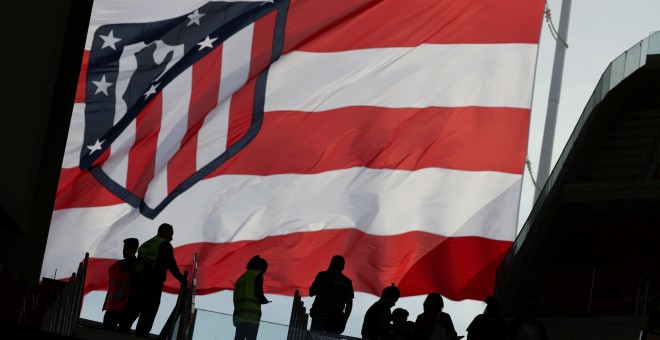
(466, 270)
(204, 97)
(349, 24)
(82, 79)
(242, 101)
(141, 158)
(78, 189)
(262, 44)
(240, 112)
(469, 138)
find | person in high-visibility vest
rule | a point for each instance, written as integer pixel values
(119, 275)
(248, 298)
(155, 258)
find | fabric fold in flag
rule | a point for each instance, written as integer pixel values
(391, 132)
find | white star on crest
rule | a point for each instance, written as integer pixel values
(102, 86)
(95, 146)
(194, 18)
(152, 90)
(208, 42)
(109, 41)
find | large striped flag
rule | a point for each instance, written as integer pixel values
(392, 132)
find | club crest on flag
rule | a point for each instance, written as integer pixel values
(168, 102)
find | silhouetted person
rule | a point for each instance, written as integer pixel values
(119, 280)
(377, 320)
(527, 327)
(490, 325)
(333, 300)
(155, 258)
(402, 328)
(433, 323)
(248, 298)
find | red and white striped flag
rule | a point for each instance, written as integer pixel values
(392, 132)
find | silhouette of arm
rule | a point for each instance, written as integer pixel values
(259, 289)
(167, 253)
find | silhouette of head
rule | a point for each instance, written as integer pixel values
(434, 303)
(257, 263)
(493, 305)
(337, 263)
(399, 316)
(254, 263)
(390, 295)
(166, 231)
(263, 264)
(130, 247)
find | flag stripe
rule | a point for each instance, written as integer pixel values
(352, 25)
(452, 76)
(262, 44)
(398, 202)
(240, 112)
(235, 61)
(141, 162)
(412, 261)
(469, 138)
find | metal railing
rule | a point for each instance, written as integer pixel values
(179, 325)
(299, 319)
(62, 317)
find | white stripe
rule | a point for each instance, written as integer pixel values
(236, 54)
(116, 167)
(174, 123)
(212, 138)
(74, 142)
(236, 208)
(493, 75)
(109, 12)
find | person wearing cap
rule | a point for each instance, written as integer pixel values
(119, 275)
(377, 320)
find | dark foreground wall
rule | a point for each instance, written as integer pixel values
(43, 45)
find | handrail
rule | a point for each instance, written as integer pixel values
(178, 324)
(298, 320)
(62, 317)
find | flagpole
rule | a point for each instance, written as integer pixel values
(545, 161)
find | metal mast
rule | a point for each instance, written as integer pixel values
(545, 161)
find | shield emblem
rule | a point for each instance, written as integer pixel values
(169, 102)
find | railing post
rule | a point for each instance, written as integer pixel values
(298, 320)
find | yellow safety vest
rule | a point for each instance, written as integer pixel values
(148, 252)
(247, 307)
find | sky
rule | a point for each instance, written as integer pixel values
(598, 32)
